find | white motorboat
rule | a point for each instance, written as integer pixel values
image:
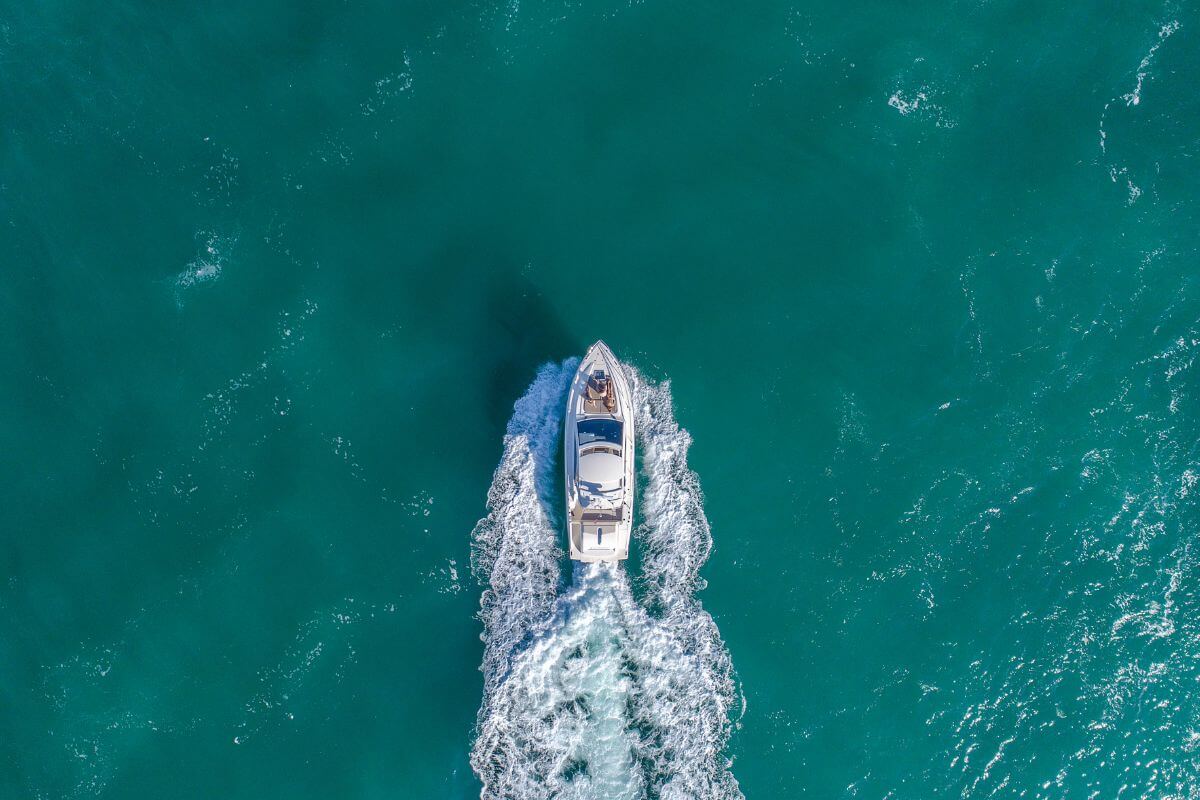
(598, 455)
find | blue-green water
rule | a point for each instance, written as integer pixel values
(920, 282)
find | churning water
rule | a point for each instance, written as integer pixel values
(596, 690)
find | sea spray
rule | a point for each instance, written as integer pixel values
(687, 697)
(592, 693)
(515, 551)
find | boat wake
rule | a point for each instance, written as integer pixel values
(591, 691)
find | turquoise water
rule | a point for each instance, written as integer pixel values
(918, 281)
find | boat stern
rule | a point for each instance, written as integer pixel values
(598, 541)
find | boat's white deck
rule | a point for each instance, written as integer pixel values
(604, 539)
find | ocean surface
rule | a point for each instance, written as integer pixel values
(910, 295)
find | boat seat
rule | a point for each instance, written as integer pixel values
(601, 393)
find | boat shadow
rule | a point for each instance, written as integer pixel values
(523, 332)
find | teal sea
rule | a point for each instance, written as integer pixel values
(910, 295)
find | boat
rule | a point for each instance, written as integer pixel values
(598, 459)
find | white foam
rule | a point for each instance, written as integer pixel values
(387, 89)
(515, 550)
(690, 692)
(921, 102)
(1135, 97)
(591, 693)
(208, 263)
(907, 104)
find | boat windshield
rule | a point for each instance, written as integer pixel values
(606, 430)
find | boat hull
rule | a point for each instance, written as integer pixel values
(599, 519)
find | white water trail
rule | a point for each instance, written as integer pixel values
(591, 693)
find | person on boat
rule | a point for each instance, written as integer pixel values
(599, 390)
(597, 386)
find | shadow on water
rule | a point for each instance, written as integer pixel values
(521, 333)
